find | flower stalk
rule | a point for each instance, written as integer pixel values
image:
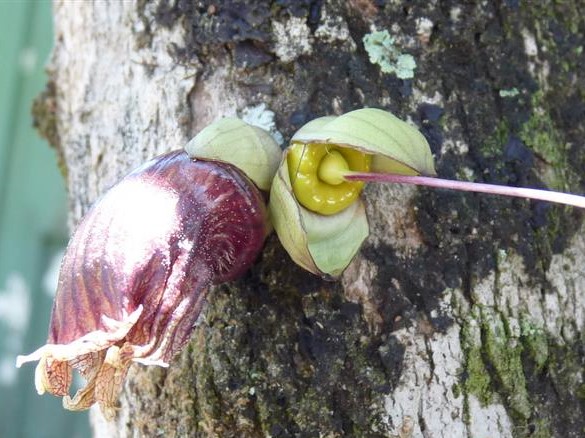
(467, 186)
(315, 203)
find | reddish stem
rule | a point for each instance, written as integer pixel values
(465, 186)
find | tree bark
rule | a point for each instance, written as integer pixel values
(462, 316)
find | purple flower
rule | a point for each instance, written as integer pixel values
(137, 270)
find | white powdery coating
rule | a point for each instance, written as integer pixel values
(293, 39)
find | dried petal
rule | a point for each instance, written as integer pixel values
(136, 272)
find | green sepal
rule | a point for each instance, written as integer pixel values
(396, 146)
(249, 148)
(323, 245)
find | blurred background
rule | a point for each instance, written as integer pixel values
(33, 230)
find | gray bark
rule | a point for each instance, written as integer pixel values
(463, 315)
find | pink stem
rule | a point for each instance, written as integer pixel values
(519, 192)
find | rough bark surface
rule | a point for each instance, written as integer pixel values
(463, 315)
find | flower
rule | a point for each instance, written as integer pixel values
(314, 207)
(314, 201)
(136, 272)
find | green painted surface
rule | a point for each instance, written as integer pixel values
(32, 225)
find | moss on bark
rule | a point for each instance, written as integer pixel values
(283, 353)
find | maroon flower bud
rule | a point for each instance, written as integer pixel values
(137, 270)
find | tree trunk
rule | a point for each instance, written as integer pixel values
(463, 315)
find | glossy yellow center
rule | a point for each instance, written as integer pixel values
(317, 175)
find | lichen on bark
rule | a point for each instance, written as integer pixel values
(407, 339)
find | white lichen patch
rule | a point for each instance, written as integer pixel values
(530, 46)
(424, 393)
(488, 421)
(510, 92)
(383, 52)
(564, 302)
(455, 14)
(422, 97)
(262, 117)
(424, 29)
(395, 226)
(333, 28)
(293, 39)
(538, 68)
(456, 146)
(357, 281)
